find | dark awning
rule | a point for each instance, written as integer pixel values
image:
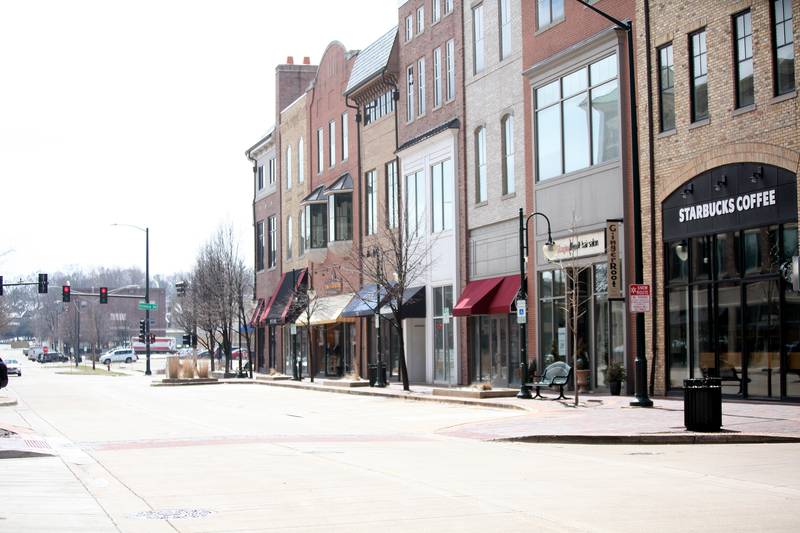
(317, 196)
(476, 297)
(281, 308)
(413, 303)
(365, 302)
(343, 184)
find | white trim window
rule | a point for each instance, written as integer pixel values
(320, 151)
(345, 138)
(509, 176)
(442, 197)
(481, 192)
(301, 162)
(421, 86)
(420, 19)
(409, 93)
(259, 246)
(289, 168)
(448, 7)
(272, 227)
(409, 28)
(260, 178)
(577, 120)
(415, 204)
(392, 193)
(437, 77)
(289, 237)
(304, 231)
(451, 69)
(332, 143)
(340, 217)
(505, 29)
(548, 12)
(478, 40)
(272, 170)
(372, 203)
(436, 11)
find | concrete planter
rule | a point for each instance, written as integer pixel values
(347, 383)
(474, 393)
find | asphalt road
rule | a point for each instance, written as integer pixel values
(255, 458)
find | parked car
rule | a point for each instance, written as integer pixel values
(34, 352)
(13, 366)
(52, 357)
(237, 352)
(127, 355)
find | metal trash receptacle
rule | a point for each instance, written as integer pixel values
(702, 404)
(372, 374)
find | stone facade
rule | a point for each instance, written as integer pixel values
(766, 132)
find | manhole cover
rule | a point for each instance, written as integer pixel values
(172, 514)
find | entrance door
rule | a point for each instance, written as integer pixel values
(499, 347)
(762, 339)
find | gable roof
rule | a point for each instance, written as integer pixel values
(371, 60)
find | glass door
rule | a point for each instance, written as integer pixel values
(444, 363)
(729, 339)
(762, 339)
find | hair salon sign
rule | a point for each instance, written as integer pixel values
(580, 246)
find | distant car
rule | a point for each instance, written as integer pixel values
(52, 357)
(34, 352)
(236, 353)
(13, 367)
(120, 355)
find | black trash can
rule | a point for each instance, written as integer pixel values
(702, 404)
(372, 374)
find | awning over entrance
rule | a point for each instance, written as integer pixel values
(413, 303)
(488, 296)
(280, 310)
(326, 310)
(476, 297)
(256, 312)
(365, 302)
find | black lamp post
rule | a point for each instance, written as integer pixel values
(642, 400)
(548, 248)
(379, 381)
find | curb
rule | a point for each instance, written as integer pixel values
(5, 401)
(653, 439)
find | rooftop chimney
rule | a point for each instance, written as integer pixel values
(290, 60)
(306, 60)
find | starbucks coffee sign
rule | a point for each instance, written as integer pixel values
(744, 202)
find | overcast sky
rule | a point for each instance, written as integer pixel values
(140, 112)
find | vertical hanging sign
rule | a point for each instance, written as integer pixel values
(614, 270)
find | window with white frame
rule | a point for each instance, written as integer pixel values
(577, 120)
(272, 170)
(421, 86)
(436, 12)
(289, 167)
(409, 28)
(442, 196)
(451, 69)
(478, 40)
(332, 143)
(320, 151)
(272, 228)
(301, 161)
(420, 19)
(548, 12)
(340, 217)
(509, 177)
(392, 193)
(437, 77)
(505, 29)
(379, 107)
(345, 138)
(259, 245)
(480, 165)
(448, 6)
(372, 200)
(410, 93)
(415, 204)
(303, 230)
(316, 225)
(260, 178)
(289, 237)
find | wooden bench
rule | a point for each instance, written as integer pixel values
(555, 375)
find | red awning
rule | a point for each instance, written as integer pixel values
(268, 304)
(505, 295)
(256, 312)
(476, 297)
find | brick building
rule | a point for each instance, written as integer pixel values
(717, 84)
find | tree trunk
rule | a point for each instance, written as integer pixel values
(403, 367)
(575, 341)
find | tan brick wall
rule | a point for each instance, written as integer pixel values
(766, 134)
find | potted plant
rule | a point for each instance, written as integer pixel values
(582, 368)
(615, 375)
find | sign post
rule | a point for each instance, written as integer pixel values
(639, 297)
(522, 311)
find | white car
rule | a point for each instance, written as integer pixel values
(14, 366)
(120, 355)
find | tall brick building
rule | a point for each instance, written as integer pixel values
(719, 114)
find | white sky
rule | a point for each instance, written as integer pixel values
(140, 112)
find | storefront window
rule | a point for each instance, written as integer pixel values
(553, 317)
(703, 358)
(701, 258)
(727, 255)
(444, 364)
(792, 339)
(729, 337)
(677, 265)
(678, 321)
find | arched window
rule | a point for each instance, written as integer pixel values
(289, 167)
(301, 167)
(480, 165)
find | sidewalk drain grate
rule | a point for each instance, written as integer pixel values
(172, 514)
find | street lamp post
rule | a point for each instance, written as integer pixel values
(379, 381)
(146, 231)
(548, 248)
(640, 381)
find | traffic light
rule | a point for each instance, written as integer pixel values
(103, 295)
(141, 331)
(65, 293)
(180, 287)
(187, 339)
(42, 283)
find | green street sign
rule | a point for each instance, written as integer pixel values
(144, 306)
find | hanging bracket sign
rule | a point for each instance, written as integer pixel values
(614, 271)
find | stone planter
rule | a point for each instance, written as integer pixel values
(582, 379)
